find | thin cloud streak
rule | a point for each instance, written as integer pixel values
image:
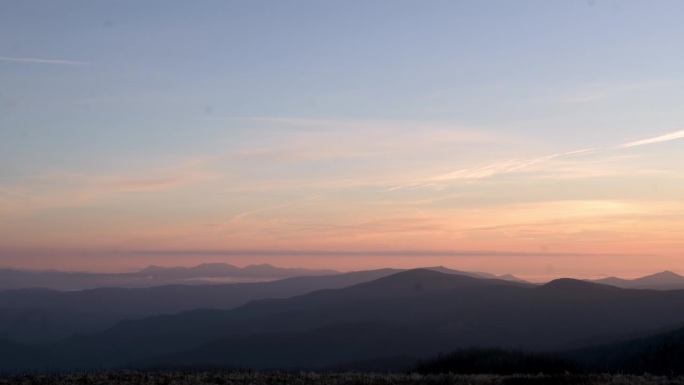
(372, 253)
(515, 165)
(43, 61)
(658, 139)
(489, 170)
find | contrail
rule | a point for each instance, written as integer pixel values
(657, 139)
(43, 61)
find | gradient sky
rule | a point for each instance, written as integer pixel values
(539, 138)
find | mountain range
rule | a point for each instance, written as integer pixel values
(665, 280)
(151, 276)
(416, 313)
(38, 315)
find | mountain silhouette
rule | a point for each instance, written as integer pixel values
(16, 357)
(665, 280)
(476, 274)
(658, 354)
(37, 315)
(218, 270)
(320, 347)
(149, 277)
(378, 300)
(577, 287)
(152, 276)
(429, 312)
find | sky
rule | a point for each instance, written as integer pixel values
(538, 138)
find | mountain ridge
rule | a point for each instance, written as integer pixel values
(451, 311)
(664, 280)
(153, 275)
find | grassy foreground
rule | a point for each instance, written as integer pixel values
(309, 378)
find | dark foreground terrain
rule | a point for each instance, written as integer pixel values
(306, 378)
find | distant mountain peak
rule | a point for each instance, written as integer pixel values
(224, 270)
(410, 277)
(512, 278)
(667, 273)
(663, 278)
(424, 271)
(414, 273)
(213, 264)
(446, 270)
(419, 281)
(261, 266)
(440, 267)
(573, 285)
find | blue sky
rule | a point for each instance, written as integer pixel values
(145, 123)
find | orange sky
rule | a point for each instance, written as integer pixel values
(585, 213)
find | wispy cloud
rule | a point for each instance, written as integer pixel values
(503, 167)
(486, 171)
(43, 61)
(537, 164)
(657, 139)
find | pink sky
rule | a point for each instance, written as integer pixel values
(575, 213)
